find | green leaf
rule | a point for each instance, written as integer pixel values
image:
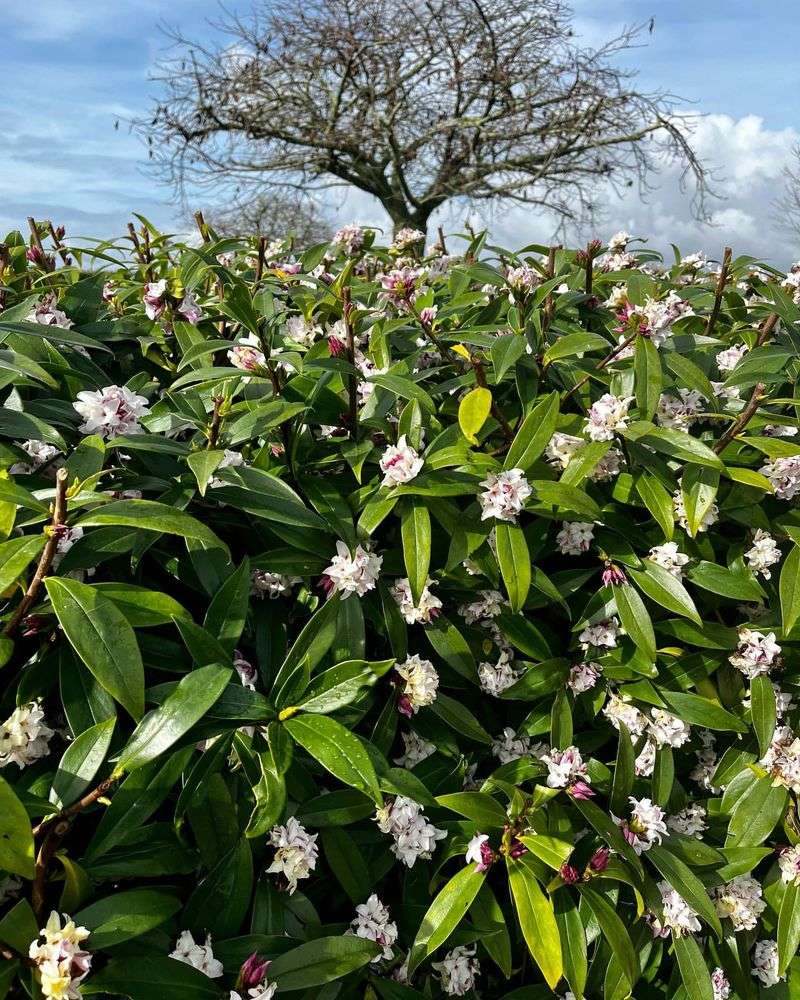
(553, 851)
(635, 620)
(16, 838)
(624, 771)
(340, 685)
(415, 529)
(142, 607)
(459, 718)
(756, 814)
(473, 411)
(648, 377)
(536, 919)
(321, 961)
(338, 750)
(313, 642)
(694, 971)
(204, 464)
(674, 443)
(534, 434)
(515, 563)
(763, 710)
(686, 884)
(227, 612)
(573, 941)
(220, 902)
(789, 589)
(445, 913)
(699, 490)
(571, 344)
(506, 351)
(788, 927)
(81, 761)
(658, 501)
(480, 807)
(663, 588)
(19, 927)
(565, 497)
(127, 915)
(613, 931)
(145, 977)
(101, 636)
(165, 725)
(726, 583)
(149, 515)
(16, 555)
(452, 647)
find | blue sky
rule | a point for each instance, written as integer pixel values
(73, 67)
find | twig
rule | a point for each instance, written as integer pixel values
(720, 290)
(36, 239)
(216, 422)
(46, 558)
(43, 858)
(60, 248)
(88, 799)
(602, 364)
(262, 250)
(442, 244)
(352, 385)
(766, 329)
(549, 302)
(742, 420)
(137, 246)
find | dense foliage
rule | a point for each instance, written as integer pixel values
(380, 625)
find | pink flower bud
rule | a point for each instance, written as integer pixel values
(404, 706)
(253, 972)
(580, 790)
(569, 873)
(517, 849)
(613, 575)
(336, 347)
(599, 860)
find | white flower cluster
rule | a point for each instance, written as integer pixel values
(789, 864)
(678, 917)
(756, 652)
(646, 825)
(764, 964)
(565, 767)
(740, 900)
(763, 553)
(607, 415)
(429, 604)
(681, 411)
(414, 837)
(575, 538)
(372, 923)
(47, 313)
(728, 359)
(247, 354)
(487, 605)
(416, 749)
(782, 759)
(421, 683)
(301, 331)
(400, 463)
(691, 821)
(505, 495)
(356, 574)
(583, 676)
(618, 710)
(349, 238)
(458, 971)
(24, 737)
(272, 585)
(110, 412)
(296, 854)
(60, 961)
(39, 452)
(494, 678)
(562, 447)
(669, 558)
(711, 516)
(662, 314)
(784, 474)
(199, 956)
(510, 745)
(602, 633)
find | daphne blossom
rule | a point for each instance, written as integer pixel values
(789, 865)
(566, 769)
(575, 537)
(356, 574)
(24, 737)
(510, 745)
(607, 415)
(756, 652)
(488, 604)
(646, 825)
(764, 964)
(400, 463)
(372, 923)
(199, 956)
(691, 821)
(505, 495)
(416, 749)
(494, 678)
(741, 900)
(583, 676)
(763, 553)
(711, 516)
(247, 354)
(349, 238)
(678, 916)
(47, 313)
(667, 730)
(110, 412)
(39, 452)
(421, 683)
(784, 474)
(669, 557)
(720, 984)
(296, 852)
(681, 411)
(425, 611)
(458, 971)
(414, 837)
(782, 759)
(617, 711)
(602, 633)
(263, 583)
(301, 331)
(60, 961)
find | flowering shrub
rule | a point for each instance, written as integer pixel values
(383, 626)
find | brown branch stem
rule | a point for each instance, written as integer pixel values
(216, 423)
(352, 385)
(719, 292)
(602, 364)
(742, 420)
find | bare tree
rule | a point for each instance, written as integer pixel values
(787, 206)
(415, 102)
(273, 215)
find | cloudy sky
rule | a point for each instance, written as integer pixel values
(72, 68)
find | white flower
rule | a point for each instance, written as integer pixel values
(561, 448)
(416, 749)
(619, 241)
(741, 900)
(61, 962)
(765, 963)
(421, 684)
(247, 354)
(666, 730)
(602, 633)
(230, 460)
(763, 553)
(782, 759)
(350, 238)
(789, 864)
(489, 604)
(661, 314)
(618, 297)
(199, 956)
(414, 837)
(780, 431)
(46, 313)
(726, 391)
(784, 474)
(356, 574)
(399, 463)
(523, 279)
(264, 991)
(755, 653)
(691, 821)
(429, 605)
(710, 517)
(372, 923)
(720, 984)
(301, 331)
(728, 359)
(296, 854)
(609, 466)
(263, 583)
(245, 669)
(505, 494)
(458, 971)
(668, 556)
(24, 737)
(510, 746)
(406, 237)
(679, 917)
(40, 453)
(608, 415)
(110, 412)
(646, 760)
(583, 676)
(575, 537)
(681, 411)
(616, 710)
(646, 825)
(495, 678)
(693, 261)
(153, 297)
(706, 765)
(565, 768)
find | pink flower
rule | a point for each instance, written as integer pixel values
(613, 576)
(569, 873)
(254, 971)
(580, 790)
(154, 298)
(599, 860)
